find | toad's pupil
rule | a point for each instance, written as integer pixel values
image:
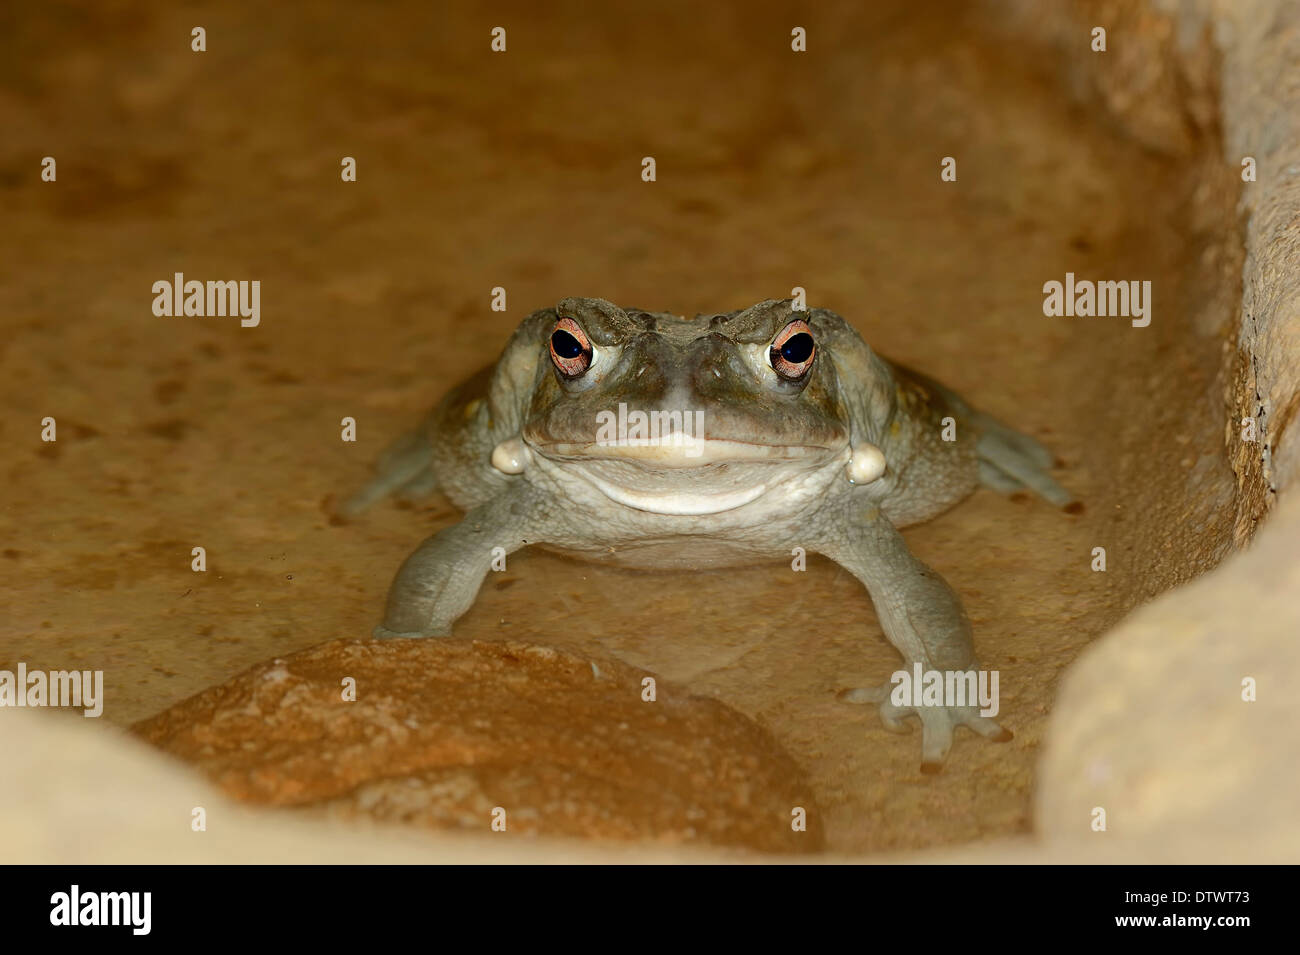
(565, 345)
(797, 348)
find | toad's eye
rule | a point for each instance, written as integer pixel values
(570, 349)
(792, 351)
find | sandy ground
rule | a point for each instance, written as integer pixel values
(522, 170)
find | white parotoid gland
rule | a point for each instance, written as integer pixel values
(511, 456)
(866, 464)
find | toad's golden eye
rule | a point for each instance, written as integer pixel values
(570, 349)
(792, 351)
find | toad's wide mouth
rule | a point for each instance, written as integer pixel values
(690, 479)
(679, 450)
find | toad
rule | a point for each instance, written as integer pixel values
(653, 441)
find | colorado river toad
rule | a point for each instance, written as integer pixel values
(652, 441)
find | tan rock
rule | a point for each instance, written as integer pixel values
(1151, 724)
(444, 733)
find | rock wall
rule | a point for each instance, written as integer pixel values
(1180, 724)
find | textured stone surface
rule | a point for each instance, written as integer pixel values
(442, 732)
(1261, 104)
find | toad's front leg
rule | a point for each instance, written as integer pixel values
(923, 619)
(440, 581)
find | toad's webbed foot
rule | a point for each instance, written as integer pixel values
(937, 723)
(1010, 461)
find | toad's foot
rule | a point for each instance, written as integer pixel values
(937, 723)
